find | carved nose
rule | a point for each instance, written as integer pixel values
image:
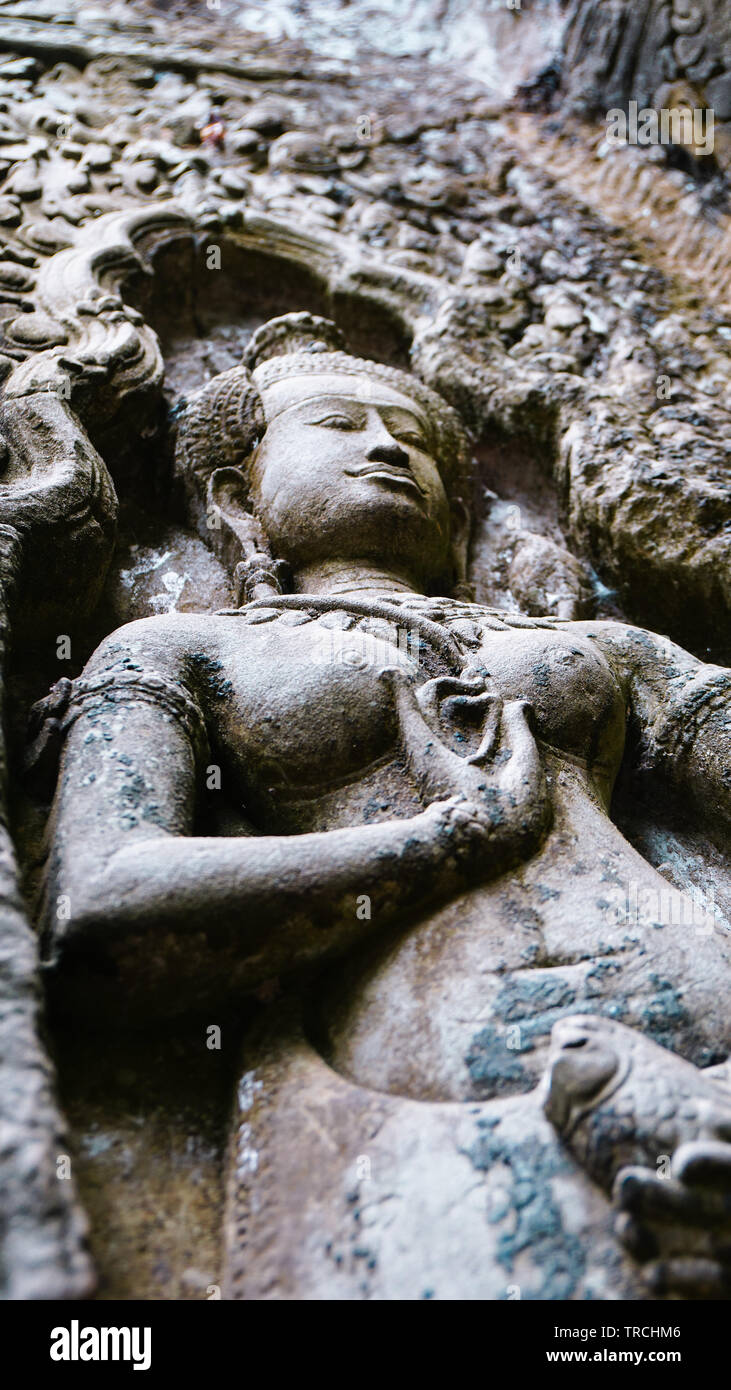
(389, 453)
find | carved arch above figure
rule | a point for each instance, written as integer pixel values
(618, 462)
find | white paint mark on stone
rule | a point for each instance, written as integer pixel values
(174, 584)
(248, 1090)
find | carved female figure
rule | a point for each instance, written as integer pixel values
(256, 793)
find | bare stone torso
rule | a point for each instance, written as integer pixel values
(460, 1005)
(306, 713)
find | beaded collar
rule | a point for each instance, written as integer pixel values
(451, 628)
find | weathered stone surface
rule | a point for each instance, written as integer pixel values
(615, 52)
(365, 726)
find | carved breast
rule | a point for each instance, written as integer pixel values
(309, 711)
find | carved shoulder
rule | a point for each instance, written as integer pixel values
(170, 641)
(680, 713)
(155, 664)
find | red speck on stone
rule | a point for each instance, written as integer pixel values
(213, 134)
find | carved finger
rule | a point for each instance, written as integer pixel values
(705, 1163)
(517, 738)
(637, 1238)
(493, 709)
(643, 1194)
(431, 763)
(432, 694)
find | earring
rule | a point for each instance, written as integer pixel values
(260, 576)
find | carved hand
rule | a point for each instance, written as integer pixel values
(497, 794)
(655, 1131)
(679, 1226)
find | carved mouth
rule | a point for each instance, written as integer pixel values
(388, 473)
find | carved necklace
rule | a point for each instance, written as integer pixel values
(450, 628)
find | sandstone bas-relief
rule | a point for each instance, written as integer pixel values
(321, 1096)
(462, 787)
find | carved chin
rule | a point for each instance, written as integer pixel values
(378, 520)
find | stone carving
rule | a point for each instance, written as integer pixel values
(383, 795)
(56, 496)
(616, 52)
(616, 1098)
(493, 695)
(502, 317)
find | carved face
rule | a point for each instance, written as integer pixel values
(345, 470)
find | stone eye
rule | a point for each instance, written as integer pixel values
(408, 437)
(337, 422)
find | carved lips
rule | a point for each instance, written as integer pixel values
(388, 473)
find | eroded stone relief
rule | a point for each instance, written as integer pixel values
(365, 514)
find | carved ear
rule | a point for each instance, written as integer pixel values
(227, 490)
(461, 525)
(228, 496)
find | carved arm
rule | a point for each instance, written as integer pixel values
(680, 716)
